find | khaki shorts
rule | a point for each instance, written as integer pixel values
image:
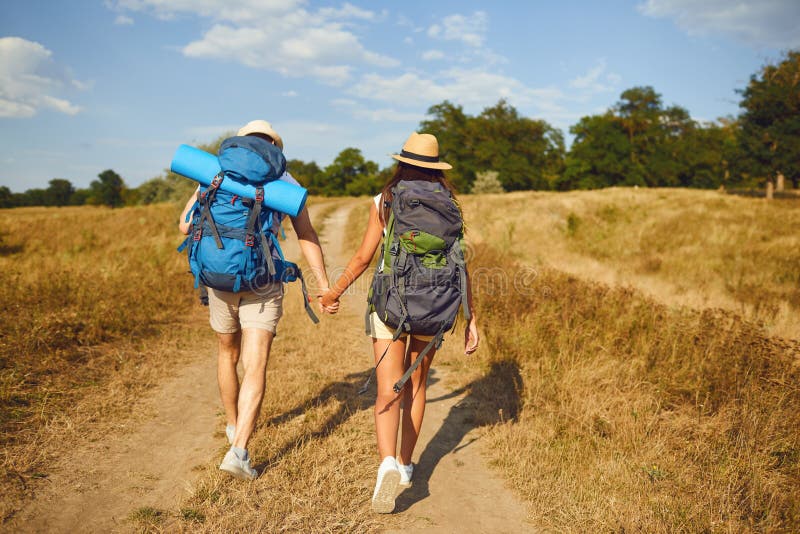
(230, 312)
(379, 330)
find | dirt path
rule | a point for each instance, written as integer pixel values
(454, 491)
(98, 486)
(154, 465)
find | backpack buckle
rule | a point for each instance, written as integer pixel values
(216, 182)
(198, 234)
(250, 240)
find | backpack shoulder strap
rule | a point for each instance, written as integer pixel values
(254, 227)
(456, 254)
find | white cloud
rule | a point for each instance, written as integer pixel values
(361, 111)
(29, 79)
(469, 87)
(347, 11)
(771, 23)
(123, 20)
(432, 55)
(278, 35)
(241, 11)
(597, 80)
(388, 115)
(470, 30)
(290, 94)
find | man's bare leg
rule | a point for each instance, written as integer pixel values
(256, 344)
(228, 358)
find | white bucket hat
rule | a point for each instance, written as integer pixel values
(263, 127)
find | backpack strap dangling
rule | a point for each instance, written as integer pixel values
(397, 333)
(306, 298)
(436, 342)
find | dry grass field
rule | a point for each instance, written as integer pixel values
(635, 416)
(628, 379)
(694, 248)
(82, 290)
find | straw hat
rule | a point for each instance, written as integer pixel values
(262, 127)
(422, 150)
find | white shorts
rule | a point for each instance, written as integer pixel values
(379, 330)
(230, 312)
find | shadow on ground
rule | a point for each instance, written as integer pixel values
(345, 392)
(491, 399)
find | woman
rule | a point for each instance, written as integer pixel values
(419, 160)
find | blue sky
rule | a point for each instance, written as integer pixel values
(91, 85)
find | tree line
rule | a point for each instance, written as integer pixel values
(638, 141)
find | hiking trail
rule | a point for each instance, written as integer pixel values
(177, 428)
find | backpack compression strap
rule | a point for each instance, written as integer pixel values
(252, 222)
(436, 342)
(457, 255)
(306, 298)
(395, 337)
(205, 199)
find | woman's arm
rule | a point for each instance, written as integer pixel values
(182, 224)
(471, 336)
(309, 244)
(360, 260)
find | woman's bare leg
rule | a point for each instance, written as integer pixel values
(387, 403)
(414, 400)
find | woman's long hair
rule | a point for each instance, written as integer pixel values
(404, 171)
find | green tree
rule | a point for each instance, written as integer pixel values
(80, 197)
(450, 125)
(305, 173)
(348, 174)
(108, 189)
(58, 192)
(527, 153)
(6, 197)
(599, 156)
(770, 122)
(640, 142)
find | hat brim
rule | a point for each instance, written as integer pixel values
(251, 128)
(441, 165)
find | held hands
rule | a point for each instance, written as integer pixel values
(328, 304)
(471, 337)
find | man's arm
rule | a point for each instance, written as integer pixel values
(182, 224)
(312, 251)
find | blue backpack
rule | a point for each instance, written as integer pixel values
(232, 245)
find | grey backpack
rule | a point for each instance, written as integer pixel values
(421, 281)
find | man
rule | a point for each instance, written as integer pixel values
(246, 323)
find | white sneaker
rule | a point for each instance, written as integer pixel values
(232, 465)
(406, 472)
(386, 486)
(230, 432)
